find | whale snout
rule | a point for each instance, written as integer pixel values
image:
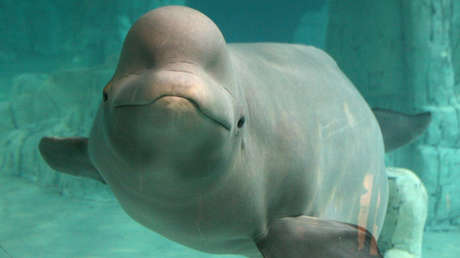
(170, 128)
(177, 105)
(166, 116)
(171, 90)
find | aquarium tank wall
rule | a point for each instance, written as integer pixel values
(57, 56)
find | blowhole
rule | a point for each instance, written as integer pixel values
(241, 122)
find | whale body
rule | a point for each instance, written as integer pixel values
(262, 150)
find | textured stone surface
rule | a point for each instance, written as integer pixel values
(397, 253)
(404, 55)
(6, 123)
(443, 186)
(455, 45)
(61, 104)
(402, 232)
(441, 244)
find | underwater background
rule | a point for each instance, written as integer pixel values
(56, 56)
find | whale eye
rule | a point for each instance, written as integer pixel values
(241, 122)
(105, 97)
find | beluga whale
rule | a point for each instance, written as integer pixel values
(255, 149)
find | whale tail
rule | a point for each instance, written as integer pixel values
(399, 129)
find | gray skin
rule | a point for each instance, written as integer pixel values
(220, 146)
(308, 141)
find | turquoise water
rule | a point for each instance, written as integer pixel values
(56, 56)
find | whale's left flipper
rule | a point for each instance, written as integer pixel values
(399, 129)
(69, 155)
(304, 237)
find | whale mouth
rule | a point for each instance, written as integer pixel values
(224, 124)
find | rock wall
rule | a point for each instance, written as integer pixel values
(404, 55)
(63, 104)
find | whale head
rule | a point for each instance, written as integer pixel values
(172, 98)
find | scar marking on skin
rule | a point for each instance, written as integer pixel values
(338, 126)
(350, 118)
(337, 129)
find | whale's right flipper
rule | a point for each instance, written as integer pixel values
(69, 155)
(305, 237)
